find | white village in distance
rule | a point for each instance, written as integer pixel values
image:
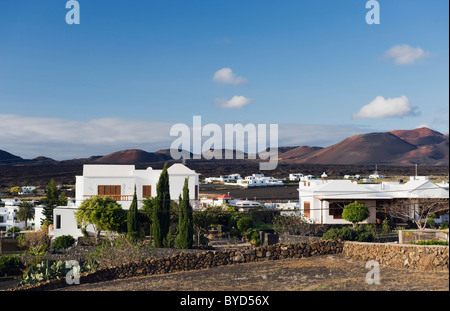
(319, 198)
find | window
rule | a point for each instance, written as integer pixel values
(336, 208)
(2, 219)
(196, 192)
(307, 209)
(146, 191)
(58, 221)
(109, 190)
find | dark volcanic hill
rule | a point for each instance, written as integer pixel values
(298, 152)
(132, 156)
(420, 136)
(373, 148)
(8, 158)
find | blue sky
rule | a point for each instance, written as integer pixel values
(133, 68)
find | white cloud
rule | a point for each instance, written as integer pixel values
(404, 54)
(226, 76)
(61, 139)
(234, 102)
(384, 108)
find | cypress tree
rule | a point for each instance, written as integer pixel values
(162, 208)
(156, 224)
(184, 238)
(51, 201)
(132, 218)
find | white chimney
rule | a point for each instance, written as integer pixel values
(324, 177)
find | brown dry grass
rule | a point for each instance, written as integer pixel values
(320, 273)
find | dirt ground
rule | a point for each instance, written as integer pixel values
(318, 273)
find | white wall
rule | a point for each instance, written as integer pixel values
(68, 223)
(38, 217)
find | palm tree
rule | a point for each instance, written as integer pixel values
(25, 212)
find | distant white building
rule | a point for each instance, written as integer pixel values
(295, 176)
(286, 209)
(223, 178)
(118, 182)
(28, 190)
(323, 200)
(375, 174)
(245, 205)
(259, 180)
(216, 201)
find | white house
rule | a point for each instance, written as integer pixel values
(216, 201)
(223, 178)
(8, 218)
(259, 180)
(295, 176)
(245, 205)
(286, 209)
(323, 200)
(118, 182)
(28, 190)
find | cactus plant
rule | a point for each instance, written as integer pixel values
(48, 270)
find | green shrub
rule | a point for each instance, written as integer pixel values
(332, 234)
(13, 230)
(245, 223)
(385, 227)
(355, 212)
(11, 265)
(254, 238)
(359, 233)
(235, 233)
(63, 242)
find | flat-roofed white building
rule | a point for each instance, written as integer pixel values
(8, 218)
(118, 182)
(295, 176)
(323, 200)
(259, 180)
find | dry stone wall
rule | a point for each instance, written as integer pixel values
(417, 257)
(185, 261)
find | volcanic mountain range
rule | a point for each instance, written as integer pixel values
(398, 147)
